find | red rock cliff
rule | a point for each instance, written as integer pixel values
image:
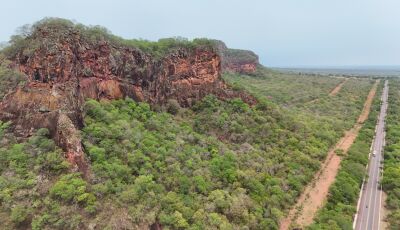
(235, 60)
(64, 71)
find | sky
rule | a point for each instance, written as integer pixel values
(284, 33)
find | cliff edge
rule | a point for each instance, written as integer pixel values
(65, 63)
(237, 60)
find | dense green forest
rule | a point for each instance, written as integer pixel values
(28, 194)
(338, 212)
(154, 167)
(391, 174)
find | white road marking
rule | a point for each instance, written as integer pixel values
(369, 197)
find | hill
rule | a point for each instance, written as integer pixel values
(66, 63)
(99, 132)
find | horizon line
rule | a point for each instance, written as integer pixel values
(335, 67)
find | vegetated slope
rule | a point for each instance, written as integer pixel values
(9, 78)
(65, 63)
(338, 212)
(391, 174)
(219, 165)
(27, 187)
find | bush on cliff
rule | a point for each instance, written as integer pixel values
(30, 37)
(9, 78)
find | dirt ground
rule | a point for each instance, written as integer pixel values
(384, 224)
(368, 103)
(315, 193)
(338, 87)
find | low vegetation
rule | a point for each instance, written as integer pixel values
(9, 78)
(340, 208)
(284, 88)
(27, 170)
(240, 55)
(391, 174)
(218, 165)
(56, 28)
(215, 166)
(307, 96)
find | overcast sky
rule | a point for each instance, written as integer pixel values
(282, 32)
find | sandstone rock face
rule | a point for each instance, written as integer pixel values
(241, 67)
(66, 71)
(235, 60)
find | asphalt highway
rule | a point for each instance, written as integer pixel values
(369, 207)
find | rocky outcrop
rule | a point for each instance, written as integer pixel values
(236, 60)
(65, 70)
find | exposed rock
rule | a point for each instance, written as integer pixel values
(64, 71)
(235, 60)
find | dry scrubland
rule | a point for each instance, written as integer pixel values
(217, 164)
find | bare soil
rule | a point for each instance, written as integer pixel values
(315, 194)
(368, 103)
(333, 92)
(338, 87)
(384, 224)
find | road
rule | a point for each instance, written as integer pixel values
(369, 207)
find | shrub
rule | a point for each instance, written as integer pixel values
(19, 214)
(9, 79)
(173, 106)
(3, 128)
(72, 188)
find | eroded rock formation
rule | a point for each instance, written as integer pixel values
(236, 60)
(66, 70)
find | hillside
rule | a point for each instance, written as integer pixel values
(66, 63)
(100, 132)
